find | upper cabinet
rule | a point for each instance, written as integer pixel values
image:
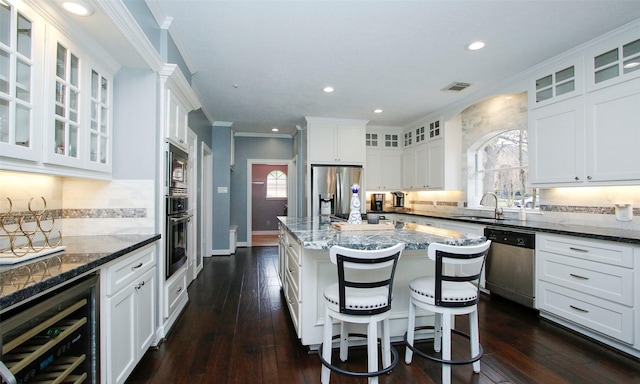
(179, 99)
(588, 135)
(383, 169)
(431, 157)
(55, 99)
(21, 68)
(78, 108)
(336, 141)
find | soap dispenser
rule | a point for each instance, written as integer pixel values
(522, 214)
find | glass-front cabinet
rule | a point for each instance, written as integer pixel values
(20, 69)
(79, 124)
(55, 101)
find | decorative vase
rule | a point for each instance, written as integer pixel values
(354, 214)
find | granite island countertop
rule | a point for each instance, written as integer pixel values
(83, 254)
(317, 233)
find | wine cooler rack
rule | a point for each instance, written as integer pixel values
(53, 341)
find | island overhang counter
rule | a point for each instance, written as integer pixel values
(305, 269)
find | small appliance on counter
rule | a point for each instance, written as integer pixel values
(398, 199)
(326, 205)
(377, 202)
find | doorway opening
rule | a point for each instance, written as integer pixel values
(269, 184)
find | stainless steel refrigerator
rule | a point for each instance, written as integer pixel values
(331, 189)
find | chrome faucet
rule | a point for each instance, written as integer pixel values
(497, 212)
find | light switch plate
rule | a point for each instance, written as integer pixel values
(223, 190)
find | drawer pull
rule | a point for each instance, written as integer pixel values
(578, 249)
(578, 309)
(136, 267)
(179, 290)
(579, 277)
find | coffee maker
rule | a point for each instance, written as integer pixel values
(398, 199)
(377, 202)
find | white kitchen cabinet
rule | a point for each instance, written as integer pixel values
(336, 141)
(293, 271)
(129, 312)
(20, 106)
(175, 297)
(435, 163)
(384, 169)
(590, 286)
(556, 143)
(588, 140)
(561, 82)
(612, 138)
(613, 61)
(65, 128)
(178, 99)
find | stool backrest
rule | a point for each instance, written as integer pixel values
(457, 255)
(360, 270)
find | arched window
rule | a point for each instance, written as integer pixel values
(276, 185)
(502, 167)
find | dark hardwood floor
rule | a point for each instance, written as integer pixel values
(236, 329)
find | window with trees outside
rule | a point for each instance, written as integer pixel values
(502, 167)
(276, 185)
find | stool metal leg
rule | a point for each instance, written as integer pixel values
(408, 355)
(326, 351)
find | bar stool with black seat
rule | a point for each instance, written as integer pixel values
(362, 295)
(448, 294)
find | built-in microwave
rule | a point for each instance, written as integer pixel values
(177, 162)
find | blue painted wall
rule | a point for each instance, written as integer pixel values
(252, 148)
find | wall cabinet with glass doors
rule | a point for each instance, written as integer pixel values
(589, 137)
(66, 128)
(433, 161)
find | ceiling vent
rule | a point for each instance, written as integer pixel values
(455, 87)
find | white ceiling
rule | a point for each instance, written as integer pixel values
(393, 55)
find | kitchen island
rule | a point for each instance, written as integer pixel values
(305, 269)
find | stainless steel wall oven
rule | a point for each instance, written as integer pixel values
(178, 218)
(177, 208)
(54, 338)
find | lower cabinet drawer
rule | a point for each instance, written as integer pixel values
(602, 280)
(293, 303)
(131, 267)
(294, 270)
(611, 319)
(174, 292)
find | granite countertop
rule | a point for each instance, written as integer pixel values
(601, 233)
(317, 233)
(83, 254)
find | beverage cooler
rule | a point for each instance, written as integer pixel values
(52, 339)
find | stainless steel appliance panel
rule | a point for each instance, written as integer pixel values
(333, 183)
(510, 269)
(177, 170)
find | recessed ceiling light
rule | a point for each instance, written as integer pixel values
(475, 45)
(274, 129)
(328, 89)
(78, 7)
(377, 110)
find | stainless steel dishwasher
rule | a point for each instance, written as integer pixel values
(510, 267)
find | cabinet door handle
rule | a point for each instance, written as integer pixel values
(578, 309)
(588, 177)
(136, 267)
(179, 290)
(578, 276)
(578, 249)
(577, 178)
